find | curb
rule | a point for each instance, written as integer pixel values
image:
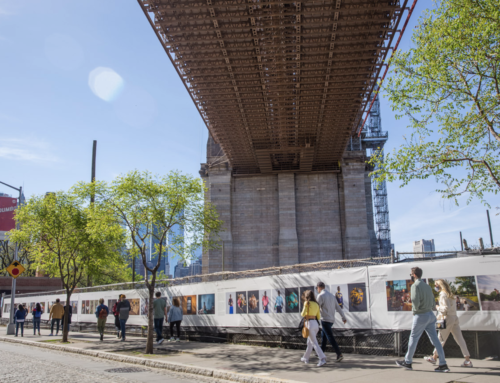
(175, 367)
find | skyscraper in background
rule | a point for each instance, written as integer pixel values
(422, 246)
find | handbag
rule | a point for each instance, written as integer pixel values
(305, 330)
(440, 323)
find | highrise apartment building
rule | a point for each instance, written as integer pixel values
(422, 246)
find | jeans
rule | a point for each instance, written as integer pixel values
(159, 328)
(22, 328)
(424, 322)
(36, 325)
(58, 321)
(312, 342)
(122, 327)
(177, 324)
(327, 335)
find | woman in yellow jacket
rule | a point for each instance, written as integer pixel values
(312, 316)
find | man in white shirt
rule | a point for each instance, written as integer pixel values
(328, 306)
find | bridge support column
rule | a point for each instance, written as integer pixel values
(357, 237)
(288, 241)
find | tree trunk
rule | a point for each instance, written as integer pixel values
(149, 342)
(66, 318)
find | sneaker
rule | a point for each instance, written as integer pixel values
(339, 358)
(123, 339)
(304, 360)
(51, 334)
(430, 359)
(466, 364)
(322, 362)
(177, 339)
(118, 335)
(172, 339)
(402, 363)
(102, 337)
(161, 341)
(443, 368)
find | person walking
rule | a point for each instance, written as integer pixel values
(422, 300)
(124, 312)
(174, 317)
(56, 314)
(447, 310)
(101, 313)
(160, 311)
(328, 305)
(20, 317)
(37, 317)
(116, 314)
(311, 314)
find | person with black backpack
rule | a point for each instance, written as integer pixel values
(123, 309)
(101, 314)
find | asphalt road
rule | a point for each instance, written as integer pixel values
(20, 363)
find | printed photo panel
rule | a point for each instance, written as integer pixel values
(292, 300)
(358, 299)
(489, 292)
(278, 301)
(135, 306)
(253, 302)
(206, 304)
(230, 303)
(341, 294)
(398, 294)
(464, 289)
(188, 304)
(265, 301)
(241, 302)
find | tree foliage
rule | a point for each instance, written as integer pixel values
(7, 250)
(449, 79)
(149, 207)
(68, 238)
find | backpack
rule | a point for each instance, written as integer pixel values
(103, 313)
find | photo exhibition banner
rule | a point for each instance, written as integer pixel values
(374, 297)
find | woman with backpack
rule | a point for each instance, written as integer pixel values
(20, 316)
(101, 314)
(37, 317)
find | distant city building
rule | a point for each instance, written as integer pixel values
(195, 267)
(423, 246)
(181, 270)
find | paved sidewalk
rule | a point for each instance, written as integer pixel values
(264, 362)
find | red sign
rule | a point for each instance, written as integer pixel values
(7, 207)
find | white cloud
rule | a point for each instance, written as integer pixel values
(29, 149)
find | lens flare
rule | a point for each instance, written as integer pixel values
(105, 83)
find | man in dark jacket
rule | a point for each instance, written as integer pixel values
(124, 312)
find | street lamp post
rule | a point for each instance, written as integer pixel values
(11, 326)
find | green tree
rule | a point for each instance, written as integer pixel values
(450, 79)
(68, 238)
(466, 285)
(149, 206)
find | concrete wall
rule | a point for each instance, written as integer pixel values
(289, 218)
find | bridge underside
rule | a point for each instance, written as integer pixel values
(281, 85)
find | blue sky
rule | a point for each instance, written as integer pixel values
(73, 72)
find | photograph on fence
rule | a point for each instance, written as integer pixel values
(278, 301)
(463, 288)
(292, 300)
(302, 290)
(135, 306)
(489, 292)
(74, 307)
(188, 304)
(241, 302)
(253, 302)
(265, 301)
(358, 299)
(206, 304)
(230, 303)
(341, 294)
(399, 295)
(145, 306)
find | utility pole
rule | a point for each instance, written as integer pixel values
(92, 179)
(461, 241)
(489, 225)
(12, 326)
